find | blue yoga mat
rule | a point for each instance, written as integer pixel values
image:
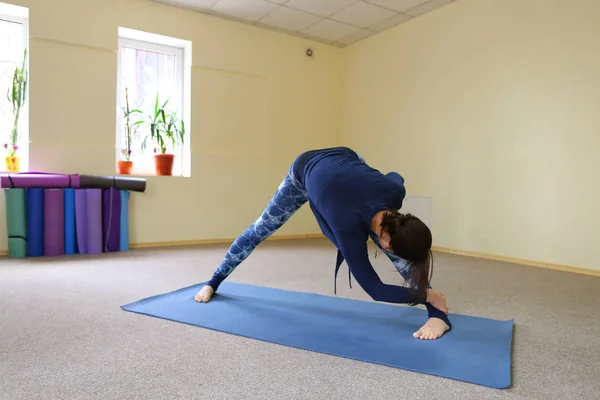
(476, 350)
(35, 222)
(70, 231)
(124, 221)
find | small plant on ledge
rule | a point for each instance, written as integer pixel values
(12, 161)
(125, 165)
(16, 95)
(164, 127)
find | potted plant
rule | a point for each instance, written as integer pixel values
(16, 95)
(125, 165)
(165, 126)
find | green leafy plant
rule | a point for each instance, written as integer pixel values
(130, 127)
(16, 95)
(164, 126)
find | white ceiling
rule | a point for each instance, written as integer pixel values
(337, 22)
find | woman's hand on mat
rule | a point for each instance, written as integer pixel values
(437, 299)
(205, 294)
(433, 329)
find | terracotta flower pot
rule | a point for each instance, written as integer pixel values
(13, 163)
(124, 167)
(163, 164)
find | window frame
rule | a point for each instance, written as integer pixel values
(182, 51)
(24, 116)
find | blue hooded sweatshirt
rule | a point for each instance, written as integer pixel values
(344, 195)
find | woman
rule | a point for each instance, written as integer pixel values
(351, 202)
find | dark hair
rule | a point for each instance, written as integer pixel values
(410, 239)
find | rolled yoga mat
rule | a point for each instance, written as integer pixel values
(39, 180)
(124, 221)
(50, 180)
(16, 222)
(111, 219)
(118, 182)
(476, 350)
(54, 223)
(94, 220)
(35, 222)
(70, 228)
(81, 226)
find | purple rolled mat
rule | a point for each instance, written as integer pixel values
(54, 229)
(111, 215)
(81, 219)
(94, 221)
(39, 180)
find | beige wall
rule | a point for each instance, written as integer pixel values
(492, 108)
(489, 107)
(257, 102)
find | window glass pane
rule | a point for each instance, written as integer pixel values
(145, 74)
(11, 56)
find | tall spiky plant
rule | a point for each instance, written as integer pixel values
(164, 125)
(172, 127)
(16, 96)
(130, 127)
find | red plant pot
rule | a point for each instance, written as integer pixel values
(163, 164)
(124, 167)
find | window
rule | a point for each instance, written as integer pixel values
(152, 66)
(13, 43)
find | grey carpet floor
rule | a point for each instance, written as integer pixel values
(63, 335)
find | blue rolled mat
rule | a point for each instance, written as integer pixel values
(476, 350)
(124, 221)
(35, 222)
(70, 230)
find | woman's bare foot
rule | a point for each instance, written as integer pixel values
(205, 294)
(433, 329)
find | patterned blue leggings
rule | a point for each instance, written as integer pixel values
(289, 197)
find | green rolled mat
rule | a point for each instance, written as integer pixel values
(16, 222)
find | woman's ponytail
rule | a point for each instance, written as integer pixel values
(411, 240)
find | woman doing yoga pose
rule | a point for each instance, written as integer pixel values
(351, 201)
